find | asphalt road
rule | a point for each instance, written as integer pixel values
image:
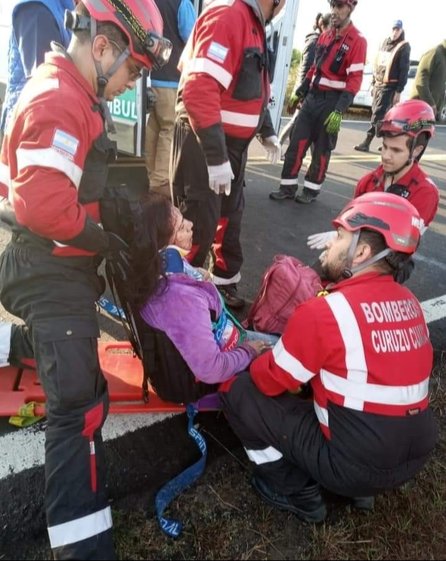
(271, 227)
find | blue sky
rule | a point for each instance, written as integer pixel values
(423, 21)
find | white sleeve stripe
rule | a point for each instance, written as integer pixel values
(355, 67)
(37, 89)
(240, 119)
(290, 364)
(335, 84)
(374, 393)
(49, 158)
(264, 456)
(80, 529)
(212, 68)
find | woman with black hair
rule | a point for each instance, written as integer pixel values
(183, 302)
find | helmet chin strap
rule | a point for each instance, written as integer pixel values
(349, 271)
(274, 6)
(103, 78)
(343, 23)
(392, 174)
(408, 162)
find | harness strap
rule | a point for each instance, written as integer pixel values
(182, 481)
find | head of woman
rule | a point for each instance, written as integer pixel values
(162, 224)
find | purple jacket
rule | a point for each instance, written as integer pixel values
(182, 311)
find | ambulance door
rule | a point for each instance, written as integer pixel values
(129, 113)
(280, 34)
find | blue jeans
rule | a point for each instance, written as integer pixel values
(259, 336)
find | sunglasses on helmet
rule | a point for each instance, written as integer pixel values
(403, 127)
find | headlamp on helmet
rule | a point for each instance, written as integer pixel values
(158, 49)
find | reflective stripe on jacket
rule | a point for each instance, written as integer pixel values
(364, 347)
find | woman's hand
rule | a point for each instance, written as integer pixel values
(206, 274)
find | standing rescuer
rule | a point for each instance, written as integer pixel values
(222, 105)
(54, 164)
(327, 92)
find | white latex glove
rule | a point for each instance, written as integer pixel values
(273, 149)
(320, 241)
(220, 178)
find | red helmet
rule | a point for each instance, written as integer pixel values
(351, 3)
(410, 118)
(392, 216)
(141, 22)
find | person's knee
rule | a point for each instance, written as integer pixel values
(67, 360)
(234, 391)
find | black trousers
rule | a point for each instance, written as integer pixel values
(56, 299)
(382, 102)
(283, 435)
(216, 218)
(309, 130)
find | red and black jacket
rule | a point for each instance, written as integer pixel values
(224, 88)
(53, 165)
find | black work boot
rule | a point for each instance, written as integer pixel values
(365, 145)
(230, 296)
(284, 192)
(307, 505)
(307, 196)
(366, 504)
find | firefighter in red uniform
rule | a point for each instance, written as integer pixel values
(222, 104)
(406, 130)
(364, 348)
(327, 92)
(54, 166)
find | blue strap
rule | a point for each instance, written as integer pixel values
(182, 481)
(111, 308)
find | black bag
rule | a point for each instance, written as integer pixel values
(167, 371)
